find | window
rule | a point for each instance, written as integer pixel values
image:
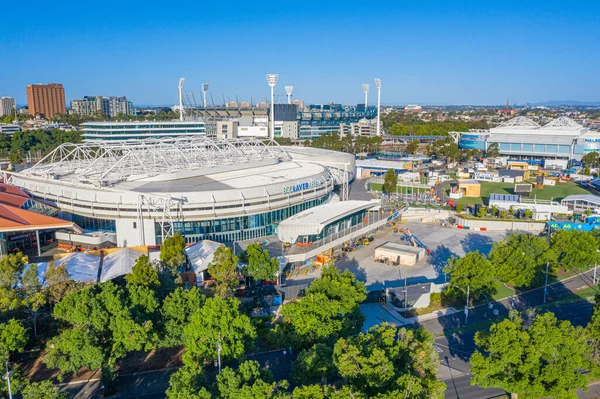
(135, 225)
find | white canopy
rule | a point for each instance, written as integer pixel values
(81, 267)
(201, 254)
(119, 263)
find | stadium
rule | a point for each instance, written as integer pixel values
(138, 192)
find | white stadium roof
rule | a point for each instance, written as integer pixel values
(519, 122)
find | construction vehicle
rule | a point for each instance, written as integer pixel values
(409, 236)
(366, 241)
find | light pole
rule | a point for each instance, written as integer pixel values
(546, 283)
(288, 91)
(204, 90)
(181, 99)
(467, 305)
(365, 88)
(378, 84)
(272, 80)
(8, 381)
(219, 348)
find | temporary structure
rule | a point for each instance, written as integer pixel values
(119, 263)
(200, 255)
(81, 267)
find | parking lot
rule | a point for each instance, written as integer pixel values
(443, 242)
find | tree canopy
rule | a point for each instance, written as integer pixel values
(171, 252)
(223, 268)
(390, 181)
(544, 360)
(258, 263)
(473, 271)
(575, 249)
(520, 259)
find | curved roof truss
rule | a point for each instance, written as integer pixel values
(106, 163)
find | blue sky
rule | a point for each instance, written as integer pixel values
(454, 52)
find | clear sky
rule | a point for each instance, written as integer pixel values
(427, 52)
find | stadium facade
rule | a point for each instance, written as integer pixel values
(110, 131)
(203, 188)
(553, 145)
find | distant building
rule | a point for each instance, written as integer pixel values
(7, 106)
(141, 130)
(108, 106)
(47, 100)
(412, 108)
(364, 127)
(6, 128)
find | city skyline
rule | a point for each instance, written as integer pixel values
(463, 53)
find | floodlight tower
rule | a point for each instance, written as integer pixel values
(365, 88)
(378, 84)
(288, 90)
(204, 90)
(181, 98)
(272, 80)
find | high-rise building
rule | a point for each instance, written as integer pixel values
(7, 106)
(47, 100)
(108, 106)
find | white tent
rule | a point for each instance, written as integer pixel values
(81, 267)
(119, 263)
(201, 254)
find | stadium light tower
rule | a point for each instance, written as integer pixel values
(204, 90)
(366, 90)
(378, 84)
(272, 80)
(181, 98)
(288, 90)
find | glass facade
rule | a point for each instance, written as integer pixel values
(93, 224)
(236, 228)
(337, 226)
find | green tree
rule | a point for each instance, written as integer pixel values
(187, 383)
(42, 390)
(177, 309)
(575, 249)
(13, 338)
(143, 273)
(314, 365)
(390, 362)
(11, 268)
(73, 349)
(58, 283)
(258, 263)
(217, 323)
(249, 382)
(32, 296)
(328, 311)
(493, 151)
(591, 159)
(460, 208)
(520, 259)
(171, 252)
(593, 333)
(223, 268)
(390, 181)
(482, 212)
(544, 360)
(107, 324)
(528, 213)
(474, 272)
(412, 147)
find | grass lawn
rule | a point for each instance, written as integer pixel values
(503, 292)
(555, 193)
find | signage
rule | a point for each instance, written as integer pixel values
(302, 186)
(592, 140)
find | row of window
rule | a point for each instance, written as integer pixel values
(539, 148)
(237, 228)
(335, 227)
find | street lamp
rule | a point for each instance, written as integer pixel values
(365, 88)
(181, 98)
(272, 80)
(378, 84)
